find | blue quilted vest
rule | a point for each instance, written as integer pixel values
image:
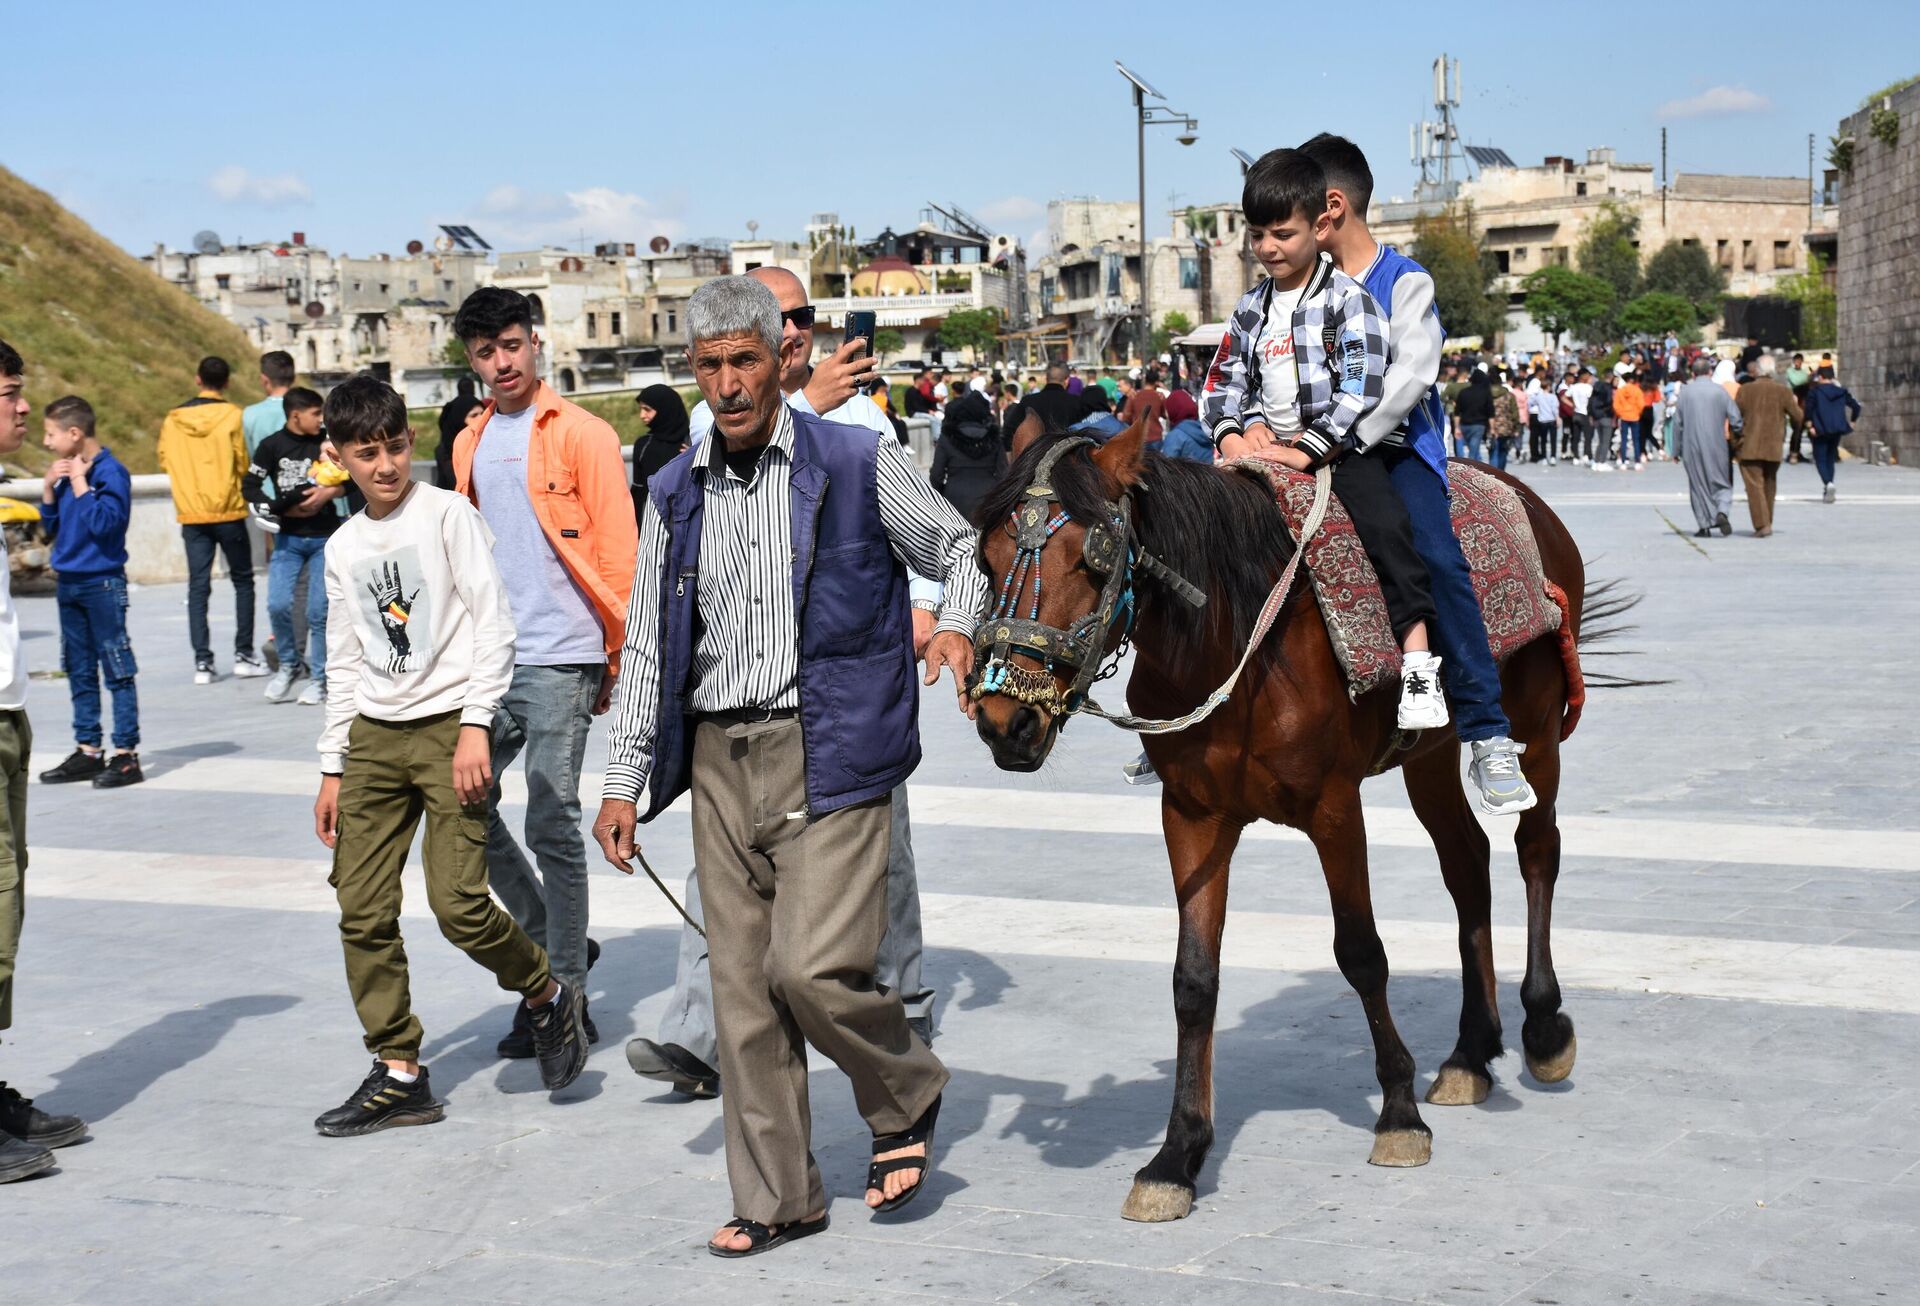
(1427, 423)
(859, 697)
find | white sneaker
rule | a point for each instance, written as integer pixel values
(1603, 467)
(1140, 771)
(280, 688)
(203, 674)
(1495, 772)
(314, 695)
(1826, 493)
(248, 667)
(1422, 706)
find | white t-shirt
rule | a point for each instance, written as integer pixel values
(558, 624)
(1279, 381)
(13, 668)
(417, 618)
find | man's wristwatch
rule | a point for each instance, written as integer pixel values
(927, 605)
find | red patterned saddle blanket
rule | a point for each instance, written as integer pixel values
(1494, 535)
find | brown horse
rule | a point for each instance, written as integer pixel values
(1287, 746)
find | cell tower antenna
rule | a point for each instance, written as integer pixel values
(1436, 145)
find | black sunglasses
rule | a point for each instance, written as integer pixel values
(801, 317)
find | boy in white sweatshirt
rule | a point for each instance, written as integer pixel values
(420, 649)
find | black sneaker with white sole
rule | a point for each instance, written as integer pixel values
(382, 1102)
(20, 1118)
(20, 1159)
(517, 1044)
(80, 765)
(560, 1038)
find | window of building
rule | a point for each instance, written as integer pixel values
(356, 286)
(1782, 254)
(447, 285)
(1689, 240)
(1749, 258)
(223, 281)
(413, 286)
(613, 326)
(656, 326)
(1579, 188)
(1189, 272)
(1232, 221)
(1723, 253)
(593, 327)
(673, 322)
(1519, 253)
(1503, 260)
(384, 287)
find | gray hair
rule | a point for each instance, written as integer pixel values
(734, 306)
(1057, 370)
(1703, 365)
(1764, 365)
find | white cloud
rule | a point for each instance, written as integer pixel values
(1717, 102)
(1013, 211)
(517, 215)
(236, 185)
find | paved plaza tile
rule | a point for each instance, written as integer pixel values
(1738, 914)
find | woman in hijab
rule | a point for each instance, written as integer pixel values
(665, 414)
(970, 456)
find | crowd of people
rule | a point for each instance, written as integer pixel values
(750, 606)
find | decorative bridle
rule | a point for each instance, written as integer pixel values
(1111, 550)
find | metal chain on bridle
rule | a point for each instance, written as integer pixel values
(1111, 550)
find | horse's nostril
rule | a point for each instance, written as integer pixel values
(1024, 729)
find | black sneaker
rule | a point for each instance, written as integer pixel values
(672, 1064)
(122, 771)
(382, 1102)
(560, 1038)
(27, 1122)
(20, 1159)
(517, 1045)
(80, 765)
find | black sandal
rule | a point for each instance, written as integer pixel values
(763, 1239)
(921, 1132)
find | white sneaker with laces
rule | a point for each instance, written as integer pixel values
(314, 695)
(280, 688)
(1495, 772)
(203, 674)
(1422, 706)
(248, 667)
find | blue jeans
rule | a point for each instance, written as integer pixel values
(1470, 436)
(93, 640)
(547, 712)
(230, 539)
(1630, 442)
(1502, 446)
(1459, 632)
(1826, 456)
(292, 555)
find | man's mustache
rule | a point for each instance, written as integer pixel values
(739, 404)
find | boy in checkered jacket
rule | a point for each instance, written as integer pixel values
(1303, 360)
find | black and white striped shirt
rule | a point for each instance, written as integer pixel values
(746, 654)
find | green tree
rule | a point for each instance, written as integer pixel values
(454, 352)
(1173, 324)
(972, 329)
(1607, 251)
(1817, 303)
(887, 341)
(1656, 313)
(1689, 272)
(1463, 273)
(1560, 300)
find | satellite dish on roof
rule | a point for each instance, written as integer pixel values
(659, 244)
(415, 247)
(315, 309)
(206, 242)
(443, 243)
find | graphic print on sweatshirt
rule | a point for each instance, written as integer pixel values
(392, 588)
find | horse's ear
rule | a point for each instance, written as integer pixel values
(1029, 430)
(1119, 459)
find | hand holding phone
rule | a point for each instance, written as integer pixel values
(861, 324)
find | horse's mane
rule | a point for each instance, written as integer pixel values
(1223, 533)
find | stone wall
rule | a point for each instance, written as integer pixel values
(1879, 280)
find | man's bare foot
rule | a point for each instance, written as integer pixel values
(730, 1239)
(900, 1180)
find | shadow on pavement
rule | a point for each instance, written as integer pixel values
(100, 1083)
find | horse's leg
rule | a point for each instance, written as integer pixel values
(1433, 785)
(1339, 834)
(1200, 847)
(1546, 1036)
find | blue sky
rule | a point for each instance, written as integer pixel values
(365, 125)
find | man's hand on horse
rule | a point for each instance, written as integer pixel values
(1288, 456)
(949, 648)
(613, 829)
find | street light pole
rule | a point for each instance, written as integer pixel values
(1146, 276)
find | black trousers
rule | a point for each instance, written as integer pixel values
(1386, 532)
(1541, 436)
(229, 538)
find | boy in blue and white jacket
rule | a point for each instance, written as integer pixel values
(1407, 428)
(1303, 363)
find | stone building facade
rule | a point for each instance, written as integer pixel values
(1879, 278)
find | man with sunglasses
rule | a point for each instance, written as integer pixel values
(684, 1054)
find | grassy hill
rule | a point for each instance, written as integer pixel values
(92, 320)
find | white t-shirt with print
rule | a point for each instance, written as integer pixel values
(1279, 381)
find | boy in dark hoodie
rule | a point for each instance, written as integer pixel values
(282, 480)
(86, 500)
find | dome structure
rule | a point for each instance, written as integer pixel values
(888, 275)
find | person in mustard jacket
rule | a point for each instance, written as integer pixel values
(203, 451)
(548, 478)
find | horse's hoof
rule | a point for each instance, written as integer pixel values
(1402, 1147)
(1555, 1068)
(1153, 1202)
(1459, 1086)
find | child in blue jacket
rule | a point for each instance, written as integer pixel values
(86, 501)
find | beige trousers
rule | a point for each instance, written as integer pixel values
(795, 911)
